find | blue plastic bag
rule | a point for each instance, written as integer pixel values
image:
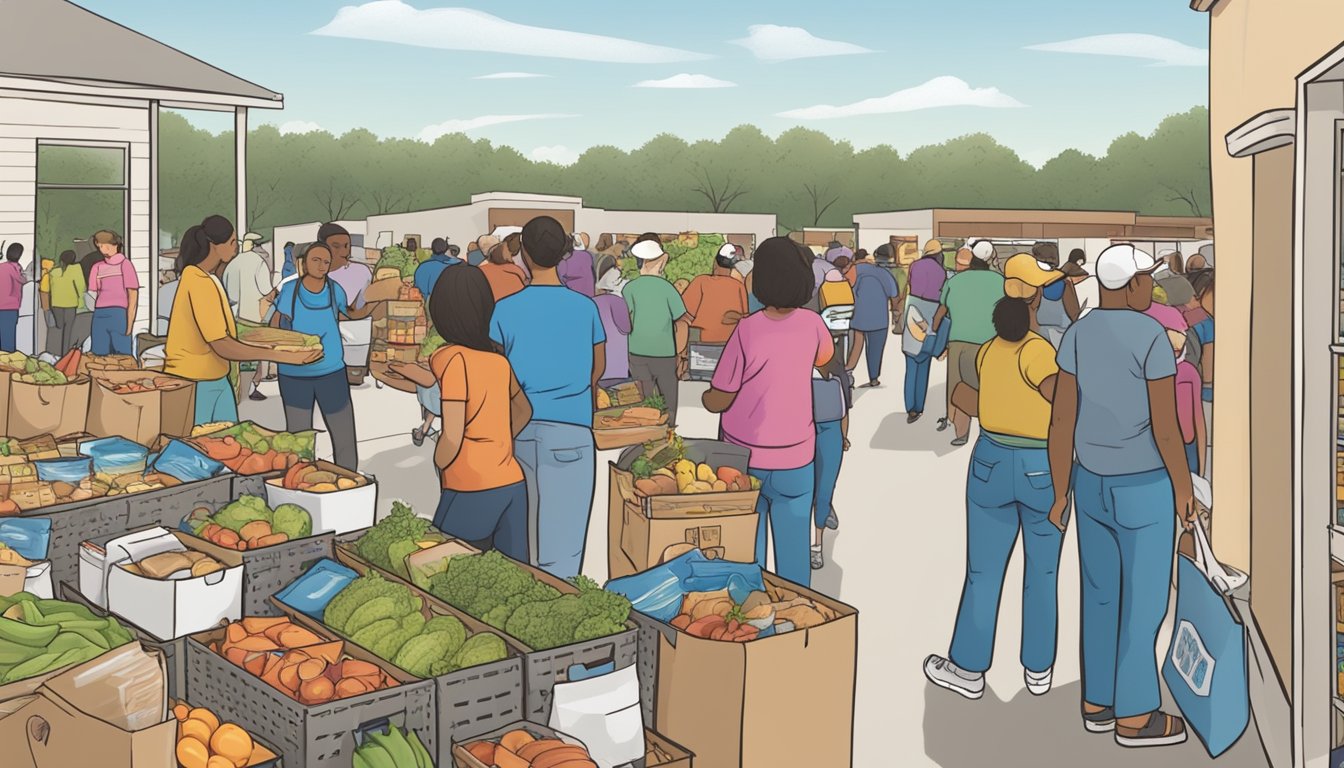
(310, 593)
(29, 537)
(72, 470)
(1205, 668)
(658, 592)
(185, 463)
(115, 455)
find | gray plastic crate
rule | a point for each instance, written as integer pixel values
(650, 635)
(320, 736)
(251, 485)
(546, 668)
(174, 651)
(73, 524)
(167, 506)
(269, 569)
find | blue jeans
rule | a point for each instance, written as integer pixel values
(874, 344)
(491, 518)
(331, 393)
(1192, 458)
(1126, 543)
(9, 330)
(830, 452)
(215, 401)
(786, 499)
(109, 335)
(1008, 489)
(916, 382)
(560, 464)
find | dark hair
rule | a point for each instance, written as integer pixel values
(842, 263)
(67, 259)
(499, 254)
(726, 262)
(439, 245)
(313, 247)
(14, 252)
(978, 263)
(647, 237)
(1047, 252)
(782, 278)
(1078, 256)
(1201, 280)
(290, 244)
(460, 307)
(196, 242)
(546, 242)
(330, 230)
(1012, 318)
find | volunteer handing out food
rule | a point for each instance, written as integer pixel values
(202, 337)
(315, 304)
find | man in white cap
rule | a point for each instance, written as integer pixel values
(1115, 408)
(715, 302)
(247, 280)
(659, 325)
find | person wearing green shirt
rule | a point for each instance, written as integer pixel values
(659, 325)
(67, 284)
(968, 301)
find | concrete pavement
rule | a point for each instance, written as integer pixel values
(899, 557)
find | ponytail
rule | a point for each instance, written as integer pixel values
(196, 242)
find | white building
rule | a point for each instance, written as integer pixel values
(79, 105)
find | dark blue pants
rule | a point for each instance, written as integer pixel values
(331, 393)
(493, 518)
(916, 382)
(874, 344)
(109, 332)
(9, 330)
(830, 452)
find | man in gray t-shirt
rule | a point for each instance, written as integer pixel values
(1115, 407)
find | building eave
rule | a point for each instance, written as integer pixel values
(1268, 130)
(1203, 6)
(181, 98)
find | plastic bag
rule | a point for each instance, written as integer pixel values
(115, 455)
(65, 470)
(310, 593)
(185, 463)
(658, 592)
(602, 712)
(29, 536)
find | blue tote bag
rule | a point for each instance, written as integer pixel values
(1205, 668)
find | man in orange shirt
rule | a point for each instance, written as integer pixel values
(717, 301)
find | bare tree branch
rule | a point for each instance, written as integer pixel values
(818, 210)
(336, 203)
(1189, 198)
(719, 198)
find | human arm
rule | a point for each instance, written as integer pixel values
(1206, 363)
(414, 373)
(132, 299)
(1201, 434)
(1071, 306)
(1167, 433)
(236, 351)
(728, 375)
(452, 431)
(939, 316)
(359, 314)
(520, 408)
(1063, 420)
(966, 399)
(681, 334)
(620, 317)
(844, 430)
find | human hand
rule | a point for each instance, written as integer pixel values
(683, 366)
(846, 447)
(298, 356)
(1186, 511)
(1059, 513)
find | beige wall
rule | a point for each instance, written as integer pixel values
(1257, 49)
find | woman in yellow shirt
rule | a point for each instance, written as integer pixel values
(1008, 489)
(202, 338)
(65, 299)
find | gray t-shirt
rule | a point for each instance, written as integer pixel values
(1114, 354)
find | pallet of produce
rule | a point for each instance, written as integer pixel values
(203, 741)
(531, 745)
(398, 258)
(756, 628)
(310, 701)
(477, 673)
(39, 636)
(140, 405)
(338, 499)
(250, 449)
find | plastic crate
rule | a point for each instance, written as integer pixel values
(168, 506)
(319, 736)
(267, 570)
(174, 651)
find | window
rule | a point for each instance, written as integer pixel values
(81, 188)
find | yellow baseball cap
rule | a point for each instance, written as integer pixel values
(933, 246)
(1026, 268)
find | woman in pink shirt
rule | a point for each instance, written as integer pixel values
(763, 389)
(12, 280)
(1189, 387)
(117, 290)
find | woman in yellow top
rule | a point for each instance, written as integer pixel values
(65, 301)
(202, 338)
(1008, 490)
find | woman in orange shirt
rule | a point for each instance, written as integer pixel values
(484, 498)
(505, 277)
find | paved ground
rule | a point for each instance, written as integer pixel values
(898, 557)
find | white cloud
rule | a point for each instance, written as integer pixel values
(1161, 51)
(939, 92)
(509, 76)
(686, 81)
(298, 126)
(432, 132)
(465, 29)
(776, 43)
(559, 155)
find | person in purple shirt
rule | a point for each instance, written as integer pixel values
(611, 307)
(921, 297)
(12, 280)
(576, 271)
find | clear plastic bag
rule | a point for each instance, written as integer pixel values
(115, 455)
(310, 593)
(65, 470)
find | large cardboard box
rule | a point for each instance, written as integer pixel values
(787, 699)
(171, 608)
(141, 416)
(332, 511)
(61, 720)
(45, 409)
(640, 528)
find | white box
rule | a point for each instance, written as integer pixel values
(334, 511)
(94, 563)
(34, 579)
(171, 608)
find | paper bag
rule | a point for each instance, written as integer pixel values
(140, 416)
(50, 409)
(603, 712)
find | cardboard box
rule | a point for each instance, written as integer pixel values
(739, 705)
(660, 752)
(174, 651)
(170, 608)
(333, 511)
(46, 409)
(34, 579)
(640, 528)
(60, 720)
(140, 416)
(268, 569)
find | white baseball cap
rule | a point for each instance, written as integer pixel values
(647, 250)
(1117, 265)
(983, 250)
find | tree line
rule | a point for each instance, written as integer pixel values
(804, 176)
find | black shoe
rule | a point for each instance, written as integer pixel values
(912, 417)
(943, 424)
(256, 395)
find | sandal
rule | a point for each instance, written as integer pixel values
(1162, 730)
(417, 437)
(1102, 721)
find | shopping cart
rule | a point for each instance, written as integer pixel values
(704, 358)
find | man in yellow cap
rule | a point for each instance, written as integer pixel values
(922, 292)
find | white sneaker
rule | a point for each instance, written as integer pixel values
(1038, 683)
(944, 674)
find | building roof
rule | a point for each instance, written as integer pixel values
(59, 42)
(1046, 224)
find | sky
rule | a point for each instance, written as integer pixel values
(552, 79)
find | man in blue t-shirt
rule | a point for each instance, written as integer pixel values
(427, 274)
(1115, 408)
(554, 340)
